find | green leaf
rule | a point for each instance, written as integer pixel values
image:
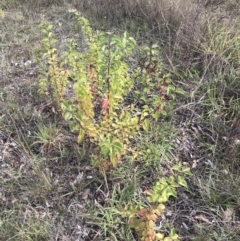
(155, 197)
(163, 112)
(49, 27)
(177, 167)
(168, 239)
(81, 135)
(154, 46)
(170, 104)
(171, 180)
(150, 199)
(73, 127)
(50, 34)
(1, 13)
(105, 150)
(181, 181)
(143, 115)
(155, 115)
(170, 88)
(146, 125)
(159, 236)
(162, 181)
(117, 146)
(170, 191)
(143, 98)
(118, 96)
(173, 234)
(67, 116)
(113, 160)
(132, 40)
(186, 171)
(180, 91)
(134, 120)
(44, 31)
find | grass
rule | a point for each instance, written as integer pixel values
(49, 190)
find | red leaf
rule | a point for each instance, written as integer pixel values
(105, 102)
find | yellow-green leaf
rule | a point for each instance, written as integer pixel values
(182, 181)
(146, 124)
(1, 13)
(159, 236)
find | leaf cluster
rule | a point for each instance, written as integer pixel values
(143, 218)
(90, 89)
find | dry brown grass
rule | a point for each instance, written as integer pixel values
(29, 3)
(157, 13)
